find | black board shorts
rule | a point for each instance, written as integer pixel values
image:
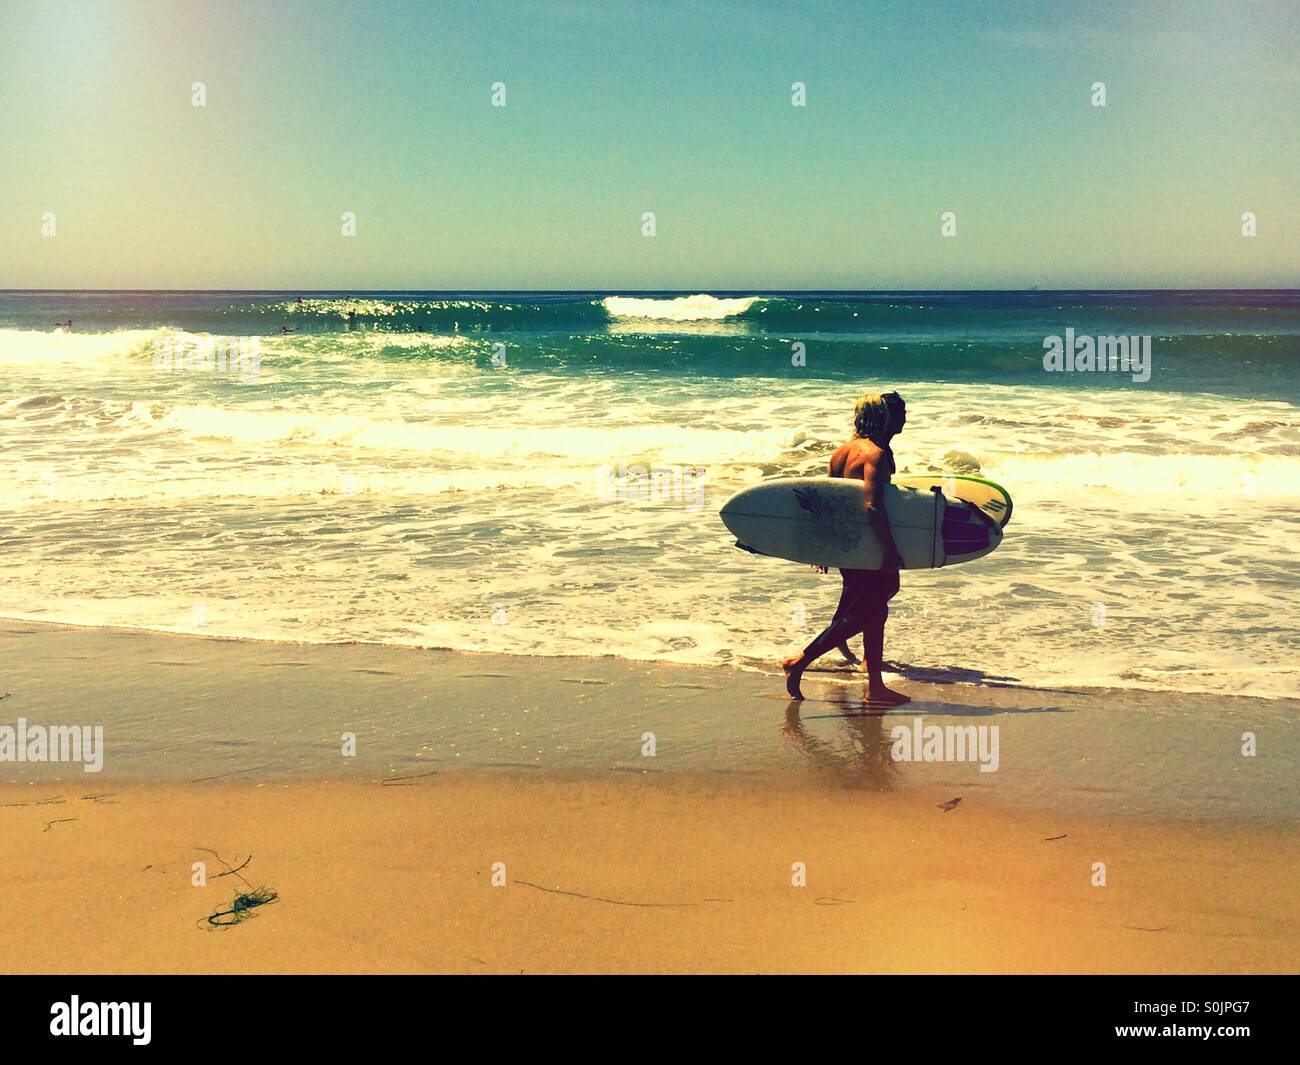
(866, 589)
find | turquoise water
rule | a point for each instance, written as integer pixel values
(540, 473)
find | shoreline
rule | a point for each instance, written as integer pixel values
(178, 710)
(942, 676)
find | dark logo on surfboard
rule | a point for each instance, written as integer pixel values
(808, 500)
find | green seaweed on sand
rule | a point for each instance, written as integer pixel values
(242, 906)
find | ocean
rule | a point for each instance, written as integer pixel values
(540, 473)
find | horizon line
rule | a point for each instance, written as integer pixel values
(629, 291)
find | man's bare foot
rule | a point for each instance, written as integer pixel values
(794, 668)
(881, 694)
(848, 655)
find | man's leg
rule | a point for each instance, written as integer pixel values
(873, 646)
(873, 640)
(835, 634)
(848, 577)
(850, 618)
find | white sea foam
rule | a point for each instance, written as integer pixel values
(338, 308)
(1163, 480)
(697, 308)
(265, 426)
(32, 347)
(19, 347)
(398, 501)
(30, 485)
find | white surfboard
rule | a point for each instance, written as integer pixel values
(824, 520)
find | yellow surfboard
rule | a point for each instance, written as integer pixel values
(991, 498)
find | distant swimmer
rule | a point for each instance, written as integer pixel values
(63, 325)
(285, 329)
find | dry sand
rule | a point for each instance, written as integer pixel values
(625, 874)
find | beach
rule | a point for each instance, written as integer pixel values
(611, 860)
(410, 615)
(541, 474)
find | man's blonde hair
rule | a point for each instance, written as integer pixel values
(871, 417)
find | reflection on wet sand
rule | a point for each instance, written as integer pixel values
(864, 761)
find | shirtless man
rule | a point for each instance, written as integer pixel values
(864, 602)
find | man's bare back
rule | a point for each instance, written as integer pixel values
(864, 460)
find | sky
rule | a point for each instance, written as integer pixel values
(384, 110)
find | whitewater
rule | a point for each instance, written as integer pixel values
(397, 485)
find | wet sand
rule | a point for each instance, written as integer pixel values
(231, 753)
(183, 708)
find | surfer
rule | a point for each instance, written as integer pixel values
(864, 600)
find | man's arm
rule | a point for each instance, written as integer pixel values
(875, 479)
(834, 469)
